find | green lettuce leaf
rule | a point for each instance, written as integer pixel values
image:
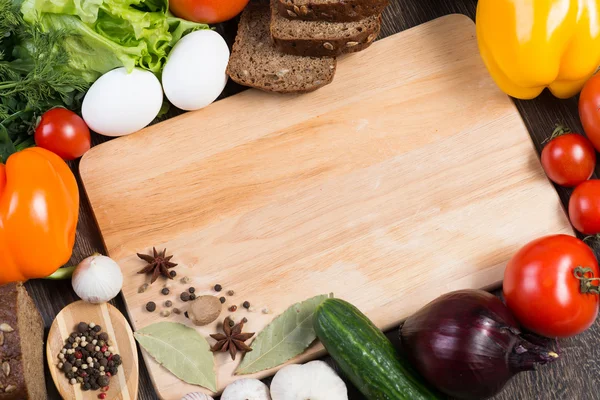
(101, 35)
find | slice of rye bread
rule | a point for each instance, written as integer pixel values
(330, 10)
(320, 38)
(255, 61)
(21, 346)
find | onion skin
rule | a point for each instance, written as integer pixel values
(468, 345)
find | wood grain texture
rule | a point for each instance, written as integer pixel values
(124, 386)
(342, 192)
(573, 377)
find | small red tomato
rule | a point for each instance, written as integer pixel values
(584, 207)
(569, 159)
(207, 11)
(541, 290)
(64, 133)
(589, 109)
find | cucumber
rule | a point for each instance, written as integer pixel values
(365, 355)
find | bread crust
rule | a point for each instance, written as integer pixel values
(339, 11)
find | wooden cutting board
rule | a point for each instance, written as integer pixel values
(410, 176)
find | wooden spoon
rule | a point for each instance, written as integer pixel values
(124, 386)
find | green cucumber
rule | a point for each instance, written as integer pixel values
(365, 355)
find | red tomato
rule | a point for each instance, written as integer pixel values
(584, 207)
(541, 290)
(589, 110)
(207, 11)
(64, 133)
(569, 159)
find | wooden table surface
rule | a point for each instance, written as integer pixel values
(572, 377)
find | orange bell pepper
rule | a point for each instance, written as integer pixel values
(39, 208)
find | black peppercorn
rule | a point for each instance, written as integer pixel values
(97, 328)
(95, 386)
(89, 339)
(176, 311)
(67, 367)
(151, 306)
(101, 342)
(103, 336)
(74, 334)
(103, 362)
(111, 364)
(117, 358)
(168, 303)
(192, 289)
(81, 328)
(185, 296)
(186, 314)
(246, 304)
(244, 320)
(172, 274)
(222, 300)
(99, 356)
(165, 291)
(103, 380)
(71, 339)
(78, 363)
(218, 288)
(89, 347)
(71, 358)
(192, 296)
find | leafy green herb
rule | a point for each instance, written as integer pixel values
(34, 77)
(181, 350)
(285, 337)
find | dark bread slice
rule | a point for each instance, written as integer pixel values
(320, 38)
(255, 61)
(330, 10)
(21, 346)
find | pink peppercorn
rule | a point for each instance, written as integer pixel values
(102, 396)
(108, 374)
(103, 349)
(78, 355)
(110, 357)
(105, 388)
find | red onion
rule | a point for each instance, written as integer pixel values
(468, 345)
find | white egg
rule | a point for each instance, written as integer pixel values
(194, 75)
(120, 103)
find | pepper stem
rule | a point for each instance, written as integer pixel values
(586, 285)
(61, 273)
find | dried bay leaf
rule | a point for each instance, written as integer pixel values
(181, 350)
(285, 337)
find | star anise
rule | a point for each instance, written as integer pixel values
(158, 264)
(232, 340)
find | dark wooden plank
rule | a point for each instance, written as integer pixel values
(570, 378)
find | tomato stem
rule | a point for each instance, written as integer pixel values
(586, 285)
(558, 131)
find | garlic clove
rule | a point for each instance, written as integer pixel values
(97, 279)
(314, 380)
(246, 389)
(196, 396)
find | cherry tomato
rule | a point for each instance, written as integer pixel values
(541, 290)
(207, 11)
(64, 133)
(589, 110)
(569, 159)
(584, 207)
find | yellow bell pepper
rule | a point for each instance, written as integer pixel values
(39, 207)
(528, 45)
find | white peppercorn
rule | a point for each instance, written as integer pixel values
(84, 366)
(89, 360)
(74, 369)
(92, 325)
(102, 373)
(97, 348)
(73, 381)
(60, 365)
(101, 369)
(94, 342)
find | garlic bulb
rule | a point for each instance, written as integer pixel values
(246, 389)
(196, 396)
(314, 380)
(97, 279)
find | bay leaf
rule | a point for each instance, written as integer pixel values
(285, 337)
(181, 350)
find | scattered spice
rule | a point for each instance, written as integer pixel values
(192, 296)
(266, 310)
(85, 364)
(218, 288)
(165, 291)
(232, 339)
(244, 320)
(185, 279)
(158, 264)
(230, 293)
(143, 288)
(172, 274)
(151, 306)
(168, 303)
(233, 308)
(185, 296)
(222, 300)
(192, 289)
(165, 313)
(251, 309)
(246, 305)
(176, 311)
